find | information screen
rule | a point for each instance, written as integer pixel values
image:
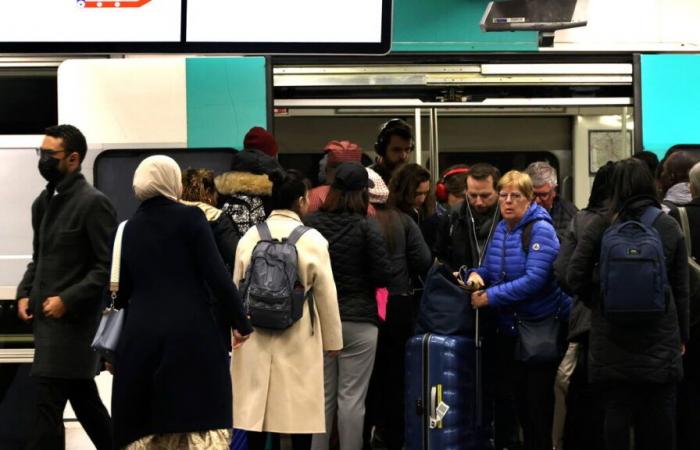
(196, 26)
(85, 21)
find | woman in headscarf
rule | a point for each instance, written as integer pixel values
(172, 388)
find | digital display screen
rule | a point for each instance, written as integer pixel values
(90, 21)
(196, 26)
(284, 21)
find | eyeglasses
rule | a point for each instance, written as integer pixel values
(515, 196)
(543, 195)
(45, 151)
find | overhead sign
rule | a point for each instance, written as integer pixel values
(196, 26)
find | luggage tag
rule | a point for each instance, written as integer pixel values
(433, 395)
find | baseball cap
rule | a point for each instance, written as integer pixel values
(351, 176)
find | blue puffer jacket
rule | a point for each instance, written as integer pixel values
(519, 282)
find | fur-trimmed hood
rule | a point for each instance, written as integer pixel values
(230, 183)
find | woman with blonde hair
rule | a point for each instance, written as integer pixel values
(517, 279)
(172, 388)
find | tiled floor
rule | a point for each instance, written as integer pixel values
(76, 439)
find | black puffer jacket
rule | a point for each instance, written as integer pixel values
(580, 317)
(410, 256)
(359, 260)
(562, 212)
(646, 352)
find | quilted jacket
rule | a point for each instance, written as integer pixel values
(520, 282)
(359, 259)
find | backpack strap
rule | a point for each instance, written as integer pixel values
(296, 234)
(264, 231)
(650, 215)
(526, 236)
(685, 225)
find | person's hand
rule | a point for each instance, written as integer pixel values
(475, 281)
(23, 309)
(332, 353)
(239, 339)
(682, 349)
(480, 299)
(54, 307)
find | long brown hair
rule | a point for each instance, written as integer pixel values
(387, 219)
(351, 202)
(403, 187)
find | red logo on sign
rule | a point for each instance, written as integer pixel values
(120, 4)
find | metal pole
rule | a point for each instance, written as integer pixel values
(624, 131)
(434, 145)
(418, 137)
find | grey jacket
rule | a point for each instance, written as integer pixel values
(73, 231)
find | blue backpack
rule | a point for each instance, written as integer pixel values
(633, 270)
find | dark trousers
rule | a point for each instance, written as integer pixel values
(257, 440)
(648, 408)
(506, 429)
(689, 397)
(388, 390)
(584, 410)
(385, 398)
(534, 397)
(52, 395)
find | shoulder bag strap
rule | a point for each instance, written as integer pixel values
(116, 263)
(685, 225)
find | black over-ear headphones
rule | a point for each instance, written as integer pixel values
(385, 132)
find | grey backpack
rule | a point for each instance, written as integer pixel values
(272, 293)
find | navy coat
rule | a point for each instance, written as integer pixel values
(171, 372)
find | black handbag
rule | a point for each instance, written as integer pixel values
(539, 341)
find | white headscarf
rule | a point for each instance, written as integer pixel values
(158, 175)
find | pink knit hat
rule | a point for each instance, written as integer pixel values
(378, 194)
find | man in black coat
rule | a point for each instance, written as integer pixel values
(62, 288)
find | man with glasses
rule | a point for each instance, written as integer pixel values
(61, 291)
(394, 145)
(544, 179)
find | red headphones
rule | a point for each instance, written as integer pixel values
(441, 189)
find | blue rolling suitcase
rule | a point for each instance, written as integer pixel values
(441, 394)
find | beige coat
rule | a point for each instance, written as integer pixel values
(278, 375)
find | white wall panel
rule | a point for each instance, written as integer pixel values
(137, 102)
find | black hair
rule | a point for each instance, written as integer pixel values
(649, 158)
(481, 171)
(602, 186)
(631, 180)
(73, 139)
(287, 187)
(394, 127)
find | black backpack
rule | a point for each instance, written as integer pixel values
(273, 296)
(633, 269)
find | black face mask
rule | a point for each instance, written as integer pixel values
(48, 168)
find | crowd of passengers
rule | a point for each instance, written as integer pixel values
(190, 368)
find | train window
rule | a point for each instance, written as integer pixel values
(505, 161)
(29, 101)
